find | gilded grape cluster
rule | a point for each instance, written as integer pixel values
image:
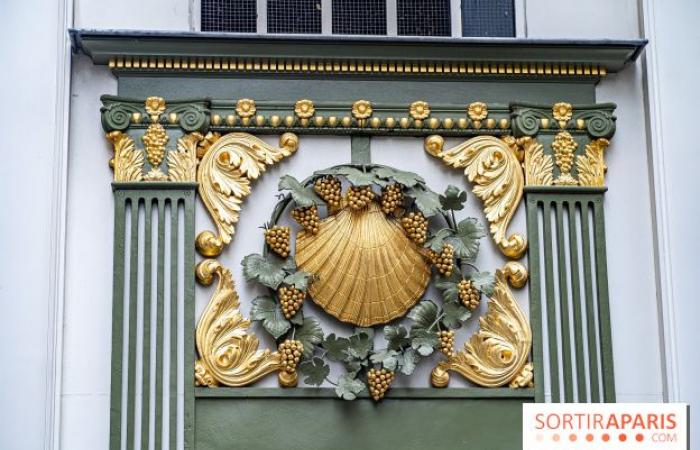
(360, 196)
(447, 338)
(290, 351)
(277, 239)
(308, 218)
(291, 299)
(392, 198)
(416, 227)
(378, 382)
(469, 295)
(329, 189)
(444, 261)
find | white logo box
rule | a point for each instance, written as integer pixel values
(605, 426)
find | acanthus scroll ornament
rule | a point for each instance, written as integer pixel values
(497, 354)
(228, 354)
(493, 166)
(225, 174)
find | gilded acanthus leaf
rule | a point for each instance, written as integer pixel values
(538, 166)
(127, 162)
(224, 176)
(228, 353)
(591, 166)
(182, 163)
(497, 353)
(494, 169)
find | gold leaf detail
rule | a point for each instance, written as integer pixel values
(224, 177)
(497, 353)
(361, 109)
(127, 162)
(228, 353)
(493, 167)
(538, 166)
(591, 166)
(562, 112)
(245, 107)
(564, 147)
(477, 111)
(367, 270)
(182, 163)
(304, 109)
(419, 110)
(154, 140)
(155, 106)
(155, 174)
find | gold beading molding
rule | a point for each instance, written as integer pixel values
(493, 166)
(288, 65)
(497, 354)
(224, 176)
(228, 354)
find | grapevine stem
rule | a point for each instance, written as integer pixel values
(331, 382)
(436, 321)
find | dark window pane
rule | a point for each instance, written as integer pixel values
(483, 18)
(294, 16)
(423, 17)
(359, 17)
(239, 16)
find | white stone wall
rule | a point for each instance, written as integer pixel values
(649, 190)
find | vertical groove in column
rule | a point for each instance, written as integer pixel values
(577, 306)
(551, 307)
(118, 322)
(603, 305)
(146, 355)
(188, 204)
(564, 305)
(133, 288)
(160, 339)
(172, 413)
(535, 298)
(591, 321)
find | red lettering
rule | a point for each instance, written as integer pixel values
(539, 423)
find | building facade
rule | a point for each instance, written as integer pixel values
(61, 331)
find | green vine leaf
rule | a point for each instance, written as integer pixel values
(303, 196)
(454, 314)
(408, 179)
(453, 199)
(298, 318)
(426, 200)
(484, 282)
(309, 334)
(396, 337)
(335, 347)
(424, 341)
(466, 240)
(268, 270)
(360, 345)
(267, 311)
(315, 370)
(423, 315)
(437, 240)
(299, 280)
(387, 358)
(448, 286)
(408, 361)
(348, 387)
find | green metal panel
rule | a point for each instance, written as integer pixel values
(575, 302)
(136, 204)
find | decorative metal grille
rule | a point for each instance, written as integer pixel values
(294, 16)
(423, 18)
(484, 18)
(359, 17)
(238, 16)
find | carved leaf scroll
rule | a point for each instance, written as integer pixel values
(127, 162)
(225, 174)
(538, 166)
(492, 165)
(591, 166)
(182, 163)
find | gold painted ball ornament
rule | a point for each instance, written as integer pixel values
(367, 261)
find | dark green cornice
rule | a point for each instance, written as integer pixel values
(352, 56)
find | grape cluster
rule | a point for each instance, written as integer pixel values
(277, 238)
(328, 188)
(444, 260)
(290, 299)
(360, 196)
(308, 218)
(392, 198)
(378, 381)
(416, 227)
(447, 338)
(469, 295)
(290, 351)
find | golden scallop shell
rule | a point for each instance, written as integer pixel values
(368, 271)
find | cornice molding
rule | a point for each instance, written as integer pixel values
(140, 51)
